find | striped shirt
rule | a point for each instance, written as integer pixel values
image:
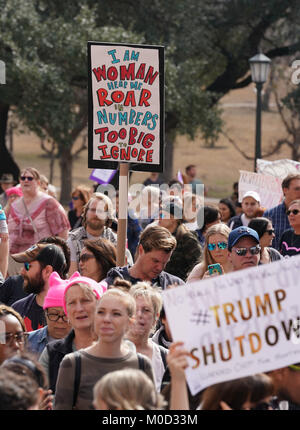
(280, 222)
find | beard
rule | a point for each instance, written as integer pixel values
(34, 285)
(95, 223)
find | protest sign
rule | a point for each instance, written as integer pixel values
(279, 168)
(126, 106)
(237, 324)
(267, 186)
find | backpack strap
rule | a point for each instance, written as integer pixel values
(77, 377)
(163, 355)
(141, 362)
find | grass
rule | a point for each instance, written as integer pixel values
(218, 167)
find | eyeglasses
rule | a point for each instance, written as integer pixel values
(56, 317)
(85, 257)
(241, 252)
(26, 266)
(270, 232)
(75, 197)
(18, 337)
(29, 178)
(212, 246)
(294, 212)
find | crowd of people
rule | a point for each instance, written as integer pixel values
(79, 332)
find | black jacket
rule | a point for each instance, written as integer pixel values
(57, 349)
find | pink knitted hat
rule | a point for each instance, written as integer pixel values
(55, 294)
(14, 190)
(97, 289)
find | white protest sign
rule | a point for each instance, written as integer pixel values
(267, 186)
(279, 168)
(237, 324)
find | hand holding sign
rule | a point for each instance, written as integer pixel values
(237, 324)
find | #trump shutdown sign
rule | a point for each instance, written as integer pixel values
(238, 324)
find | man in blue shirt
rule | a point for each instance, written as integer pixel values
(291, 191)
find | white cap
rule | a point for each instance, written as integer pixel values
(252, 194)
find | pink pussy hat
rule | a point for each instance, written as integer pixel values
(55, 294)
(97, 289)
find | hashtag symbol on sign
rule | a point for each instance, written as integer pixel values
(201, 317)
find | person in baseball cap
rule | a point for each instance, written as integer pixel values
(243, 248)
(40, 261)
(250, 209)
(48, 254)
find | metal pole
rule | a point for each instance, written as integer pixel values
(123, 213)
(258, 124)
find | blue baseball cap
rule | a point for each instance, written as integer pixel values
(239, 232)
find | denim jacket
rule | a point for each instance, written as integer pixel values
(38, 339)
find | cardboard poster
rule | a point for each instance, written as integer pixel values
(126, 106)
(268, 187)
(238, 324)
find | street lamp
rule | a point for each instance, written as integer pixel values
(259, 65)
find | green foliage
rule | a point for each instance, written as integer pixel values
(47, 73)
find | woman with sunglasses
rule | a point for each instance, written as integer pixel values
(80, 196)
(35, 215)
(264, 228)
(12, 332)
(215, 251)
(290, 239)
(97, 258)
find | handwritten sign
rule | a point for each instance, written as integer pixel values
(237, 324)
(279, 168)
(267, 186)
(126, 106)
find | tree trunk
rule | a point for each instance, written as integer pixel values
(7, 163)
(168, 168)
(66, 166)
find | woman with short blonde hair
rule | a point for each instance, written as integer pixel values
(148, 306)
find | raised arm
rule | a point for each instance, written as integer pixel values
(177, 362)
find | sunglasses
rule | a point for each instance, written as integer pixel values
(29, 178)
(75, 197)
(212, 246)
(18, 337)
(294, 367)
(294, 212)
(270, 232)
(85, 257)
(26, 266)
(241, 252)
